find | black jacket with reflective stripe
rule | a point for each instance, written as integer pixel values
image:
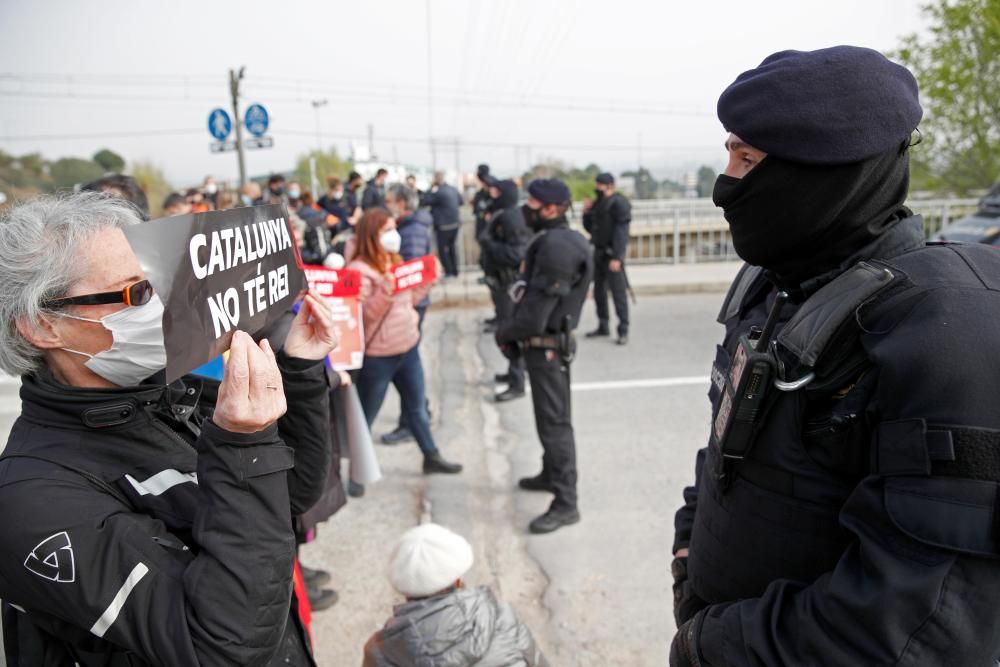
(187, 558)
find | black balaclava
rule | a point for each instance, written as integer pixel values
(508, 195)
(800, 221)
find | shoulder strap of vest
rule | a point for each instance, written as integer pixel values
(742, 284)
(810, 330)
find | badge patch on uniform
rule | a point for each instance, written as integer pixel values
(53, 559)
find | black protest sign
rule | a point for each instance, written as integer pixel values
(216, 273)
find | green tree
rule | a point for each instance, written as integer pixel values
(328, 163)
(579, 181)
(156, 186)
(646, 186)
(670, 189)
(70, 171)
(706, 181)
(958, 68)
(109, 160)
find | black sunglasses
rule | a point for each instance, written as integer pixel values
(136, 294)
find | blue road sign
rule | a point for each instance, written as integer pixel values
(256, 120)
(219, 124)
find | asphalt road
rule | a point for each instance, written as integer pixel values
(594, 594)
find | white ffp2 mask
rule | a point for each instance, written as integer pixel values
(391, 241)
(138, 349)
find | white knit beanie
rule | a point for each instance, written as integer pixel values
(428, 559)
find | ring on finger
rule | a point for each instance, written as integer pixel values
(272, 386)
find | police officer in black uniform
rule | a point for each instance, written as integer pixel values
(844, 510)
(504, 241)
(558, 268)
(607, 221)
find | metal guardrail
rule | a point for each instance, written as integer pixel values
(673, 231)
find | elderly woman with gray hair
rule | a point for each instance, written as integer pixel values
(153, 521)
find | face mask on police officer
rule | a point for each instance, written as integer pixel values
(138, 349)
(532, 216)
(391, 241)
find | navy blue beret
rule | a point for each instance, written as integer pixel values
(605, 179)
(549, 191)
(483, 170)
(831, 106)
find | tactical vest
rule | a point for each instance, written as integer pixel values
(774, 514)
(560, 263)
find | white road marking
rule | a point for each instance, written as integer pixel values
(648, 383)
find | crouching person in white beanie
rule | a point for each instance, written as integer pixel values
(443, 623)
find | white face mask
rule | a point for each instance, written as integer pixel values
(138, 349)
(391, 240)
(211, 189)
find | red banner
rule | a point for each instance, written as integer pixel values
(333, 282)
(415, 273)
(340, 288)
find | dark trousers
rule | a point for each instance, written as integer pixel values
(505, 310)
(603, 279)
(446, 239)
(403, 421)
(406, 373)
(550, 395)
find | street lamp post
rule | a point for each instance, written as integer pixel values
(316, 104)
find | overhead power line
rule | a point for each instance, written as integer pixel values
(344, 93)
(388, 139)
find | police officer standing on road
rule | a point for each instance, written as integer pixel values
(558, 268)
(504, 242)
(607, 221)
(844, 511)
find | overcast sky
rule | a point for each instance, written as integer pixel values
(513, 81)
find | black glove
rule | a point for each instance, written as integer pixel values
(686, 603)
(684, 649)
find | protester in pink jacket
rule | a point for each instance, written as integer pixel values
(392, 334)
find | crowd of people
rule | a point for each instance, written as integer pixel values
(843, 512)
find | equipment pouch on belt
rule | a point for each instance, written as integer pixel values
(567, 341)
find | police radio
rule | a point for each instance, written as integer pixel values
(746, 386)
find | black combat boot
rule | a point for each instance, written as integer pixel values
(601, 331)
(509, 394)
(554, 519)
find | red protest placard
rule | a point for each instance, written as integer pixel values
(340, 289)
(415, 273)
(333, 282)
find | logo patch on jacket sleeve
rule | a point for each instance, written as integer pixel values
(53, 559)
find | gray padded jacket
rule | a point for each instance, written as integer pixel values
(461, 628)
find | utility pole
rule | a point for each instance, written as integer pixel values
(430, 96)
(460, 187)
(234, 92)
(316, 104)
(371, 141)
